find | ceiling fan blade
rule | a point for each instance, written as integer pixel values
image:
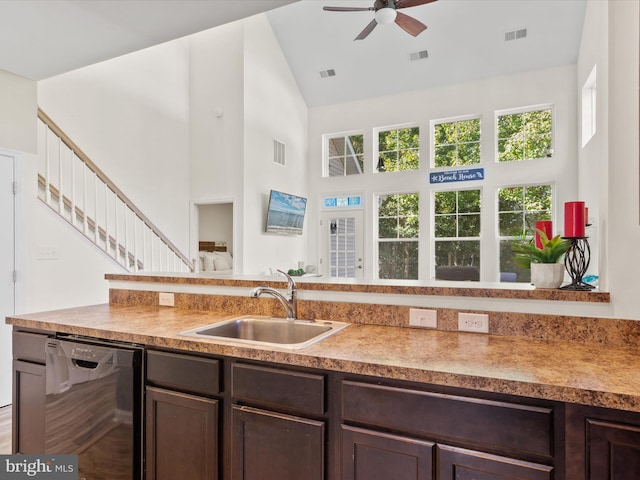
(410, 24)
(411, 3)
(347, 9)
(367, 30)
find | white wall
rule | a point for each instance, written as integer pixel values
(216, 122)
(273, 110)
(130, 115)
(18, 106)
(593, 156)
(482, 98)
(624, 177)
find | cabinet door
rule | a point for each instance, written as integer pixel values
(181, 436)
(461, 464)
(29, 395)
(613, 451)
(272, 446)
(369, 455)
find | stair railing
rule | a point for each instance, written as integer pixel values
(74, 187)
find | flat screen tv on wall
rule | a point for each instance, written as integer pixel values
(285, 213)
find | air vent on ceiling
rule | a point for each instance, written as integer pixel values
(421, 55)
(328, 73)
(279, 153)
(515, 34)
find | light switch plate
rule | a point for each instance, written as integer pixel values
(420, 317)
(166, 299)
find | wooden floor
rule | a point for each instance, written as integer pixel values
(5, 430)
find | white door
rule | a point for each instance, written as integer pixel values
(343, 244)
(7, 266)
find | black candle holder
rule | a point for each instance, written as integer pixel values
(576, 261)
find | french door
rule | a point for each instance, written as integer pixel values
(342, 244)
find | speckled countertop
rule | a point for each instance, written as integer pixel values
(548, 369)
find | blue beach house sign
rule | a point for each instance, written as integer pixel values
(457, 176)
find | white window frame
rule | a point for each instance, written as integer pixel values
(376, 146)
(325, 151)
(432, 143)
(530, 108)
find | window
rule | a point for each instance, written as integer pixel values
(525, 135)
(345, 155)
(519, 208)
(589, 101)
(398, 236)
(398, 150)
(456, 143)
(457, 233)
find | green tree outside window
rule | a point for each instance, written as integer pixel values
(398, 230)
(457, 143)
(524, 136)
(399, 150)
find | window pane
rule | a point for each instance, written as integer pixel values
(398, 260)
(469, 201)
(510, 199)
(508, 266)
(398, 150)
(469, 153)
(345, 155)
(445, 202)
(458, 253)
(469, 130)
(510, 224)
(445, 226)
(526, 135)
(388, 228)
(444, 133)
(469, 225)
(445, 156)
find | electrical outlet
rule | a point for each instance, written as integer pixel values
(47, 252)
(419, 317)
(473, 322)
(166, 299)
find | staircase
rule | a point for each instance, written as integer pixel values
(71, 185)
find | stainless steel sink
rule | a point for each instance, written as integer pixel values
(277, 332)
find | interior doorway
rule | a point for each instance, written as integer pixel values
(214, 223)
(7, 269)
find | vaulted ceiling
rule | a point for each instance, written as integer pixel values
(465, 39)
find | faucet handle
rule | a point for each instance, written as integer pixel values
(291, 284)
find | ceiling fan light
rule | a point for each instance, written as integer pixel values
(385, 15)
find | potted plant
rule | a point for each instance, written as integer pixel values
(546, 269)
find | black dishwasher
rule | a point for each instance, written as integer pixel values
(93, 406)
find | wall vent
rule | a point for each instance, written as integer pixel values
(328, 73)
(515, 34)
(279, 153)
(421, 55)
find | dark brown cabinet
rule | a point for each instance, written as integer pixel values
(181, 436)
(182, 426)
(613, 450)
(273, 446)
(462, 464)
(370, 455)
(278, 424)
(511, 441)
(29, 392)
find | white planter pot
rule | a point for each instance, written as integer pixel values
(547, 275)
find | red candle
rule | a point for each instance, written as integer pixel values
(547, 227)
(574, 220)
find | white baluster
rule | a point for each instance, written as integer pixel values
(47, 169)
(60, 194)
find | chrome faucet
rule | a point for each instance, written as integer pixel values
(290, 304)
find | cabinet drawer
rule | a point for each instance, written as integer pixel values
(275, 388)
(29, 346)
(497, 425)
(183, 372)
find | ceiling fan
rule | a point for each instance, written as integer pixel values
(386, 11)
